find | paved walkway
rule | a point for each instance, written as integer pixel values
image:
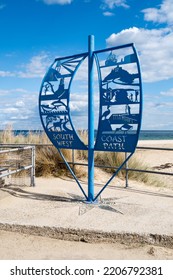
(55, 208)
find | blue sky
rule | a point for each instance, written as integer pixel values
(34, 32)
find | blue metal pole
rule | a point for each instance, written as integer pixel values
(90, 119)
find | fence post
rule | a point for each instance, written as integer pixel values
(126, 168)
(33, 167)
(73, 160)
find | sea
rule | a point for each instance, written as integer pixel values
(156, 135)
(144, 134)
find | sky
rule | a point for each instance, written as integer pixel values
(35, 32)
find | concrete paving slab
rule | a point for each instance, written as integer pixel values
(55, 207)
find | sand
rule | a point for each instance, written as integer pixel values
(51, 221)
(18, 246)
(158, 160)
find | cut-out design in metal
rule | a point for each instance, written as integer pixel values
(120, 110)
(54, 103)
(120, 100)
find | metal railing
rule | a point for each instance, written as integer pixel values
(73, 163)
(7, 169)
(126, 168)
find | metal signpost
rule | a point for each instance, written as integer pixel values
(120, 112)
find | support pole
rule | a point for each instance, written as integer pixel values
(90, 119)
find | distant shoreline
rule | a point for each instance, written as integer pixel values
(144, 134)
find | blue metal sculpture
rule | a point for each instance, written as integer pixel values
(120, 105)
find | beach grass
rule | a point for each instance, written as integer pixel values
(49, 161)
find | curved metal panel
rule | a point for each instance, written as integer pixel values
(120, 99)
(54, 103)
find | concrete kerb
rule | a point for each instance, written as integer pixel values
(91, 236)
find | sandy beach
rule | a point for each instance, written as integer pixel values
(51, 221)
(158, 160)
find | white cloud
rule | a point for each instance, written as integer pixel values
(36, 68)
(161, 104)
(155, 48)
(59, 2)
(111, 4)
(20, 104)
(19, 107)
(10, 110)
(108, 14)
(157, 114)
(13, 91)
(19, 118)
(6, 74)
(162, 14)
(167, 93)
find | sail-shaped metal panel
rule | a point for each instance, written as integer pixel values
(120, 99)
(54, 101)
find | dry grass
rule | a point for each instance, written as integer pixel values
(7, 137)
(116, 159)
(48, 159)
(48, 162)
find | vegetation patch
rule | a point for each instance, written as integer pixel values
(50, 163)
